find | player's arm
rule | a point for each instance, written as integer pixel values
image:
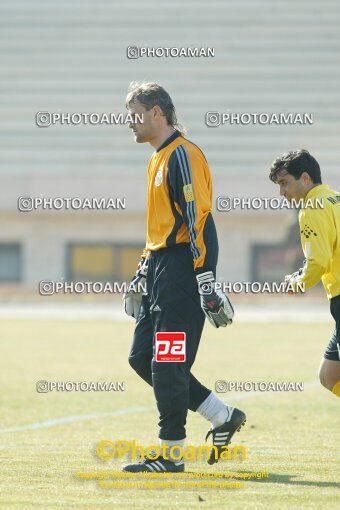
(189, 186)
(318, 235)
(190, 189)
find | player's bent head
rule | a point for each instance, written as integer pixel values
(296, 163)
(154, 102)
(296, 172)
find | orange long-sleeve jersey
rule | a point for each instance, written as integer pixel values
(180, 202)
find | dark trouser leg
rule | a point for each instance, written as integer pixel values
(175, 306)
(142, 345)
(141, 355)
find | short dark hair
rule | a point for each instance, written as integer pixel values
(150, 95)
(296, 163)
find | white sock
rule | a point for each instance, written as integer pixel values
(175, 451)
(214, 410)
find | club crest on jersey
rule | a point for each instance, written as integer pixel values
(159, 178)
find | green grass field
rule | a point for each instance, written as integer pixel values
(294, 436)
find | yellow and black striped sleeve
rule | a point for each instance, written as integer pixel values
(190, 192)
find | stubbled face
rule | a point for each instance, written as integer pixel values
(143, 132)
(292, 188)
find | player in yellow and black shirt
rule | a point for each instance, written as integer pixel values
(299, 177)
(179, 264)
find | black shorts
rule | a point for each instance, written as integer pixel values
(332, 351)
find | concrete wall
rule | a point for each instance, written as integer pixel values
(44, 235)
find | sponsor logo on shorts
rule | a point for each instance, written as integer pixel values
(170, 346)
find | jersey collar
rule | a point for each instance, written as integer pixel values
(314, 191)
(170, 139)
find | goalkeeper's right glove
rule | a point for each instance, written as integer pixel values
(133, 296)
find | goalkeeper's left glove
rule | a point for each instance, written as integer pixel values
(214, 303)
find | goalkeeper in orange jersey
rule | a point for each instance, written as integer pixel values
(179, 264)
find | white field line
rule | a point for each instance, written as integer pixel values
(259, 313)
(84, 417)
